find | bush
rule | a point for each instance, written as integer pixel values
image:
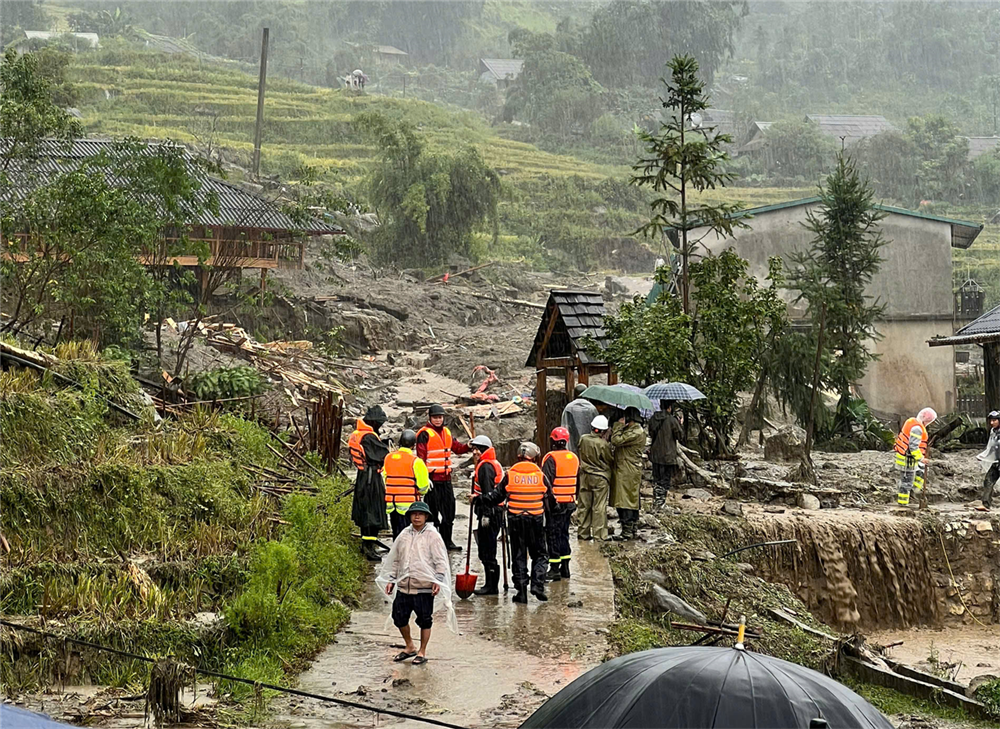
(226, 382)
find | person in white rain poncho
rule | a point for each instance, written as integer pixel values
(417, 569)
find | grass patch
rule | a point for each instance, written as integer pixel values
(893, 703)
(152, 539)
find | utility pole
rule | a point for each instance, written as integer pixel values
(259, 128)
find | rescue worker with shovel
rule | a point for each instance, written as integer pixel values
(406, 481)
(911, 455)
(485, 480)
(525, 490)
(435, 447)
(368, 454)
(561, 468)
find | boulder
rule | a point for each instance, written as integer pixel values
(697, 494)
(808, 501)
(732, 508)
(788, 444)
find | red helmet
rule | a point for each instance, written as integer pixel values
(559, 434)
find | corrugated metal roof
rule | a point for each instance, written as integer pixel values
(978, 146)
(581, 315)
(984, 329)
(502, 68)
(238, 208)
(852, 128)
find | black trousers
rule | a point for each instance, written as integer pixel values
(486, 542)
(557, 534)
(398, 522)
(441, 502)
(663, 473)
(988, 483)
(527, 538)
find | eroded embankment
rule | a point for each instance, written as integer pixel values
(867, 571)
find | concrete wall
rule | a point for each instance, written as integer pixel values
(914, 282)
(910, 375)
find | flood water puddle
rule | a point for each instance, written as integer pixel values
(976, 648)
(493, 672)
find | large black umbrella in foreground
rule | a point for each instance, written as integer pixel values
(697, 687)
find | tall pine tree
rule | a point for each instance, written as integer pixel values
(841, 262)
(681, 160)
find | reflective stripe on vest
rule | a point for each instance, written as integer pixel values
(489, 457)
(354, 444)
(438, 451)
(525, 489)
(567, 469)
(400, 481)
(903, 439)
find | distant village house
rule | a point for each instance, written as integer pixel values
(499, 71)
(915, 284)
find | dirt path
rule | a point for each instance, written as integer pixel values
(503, 663)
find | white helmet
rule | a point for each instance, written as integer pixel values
(481, 441)
(599, 423)
(927, 416)
(528, 451)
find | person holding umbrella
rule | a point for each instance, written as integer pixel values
(628, 440)
(595, 482)
(665, 433)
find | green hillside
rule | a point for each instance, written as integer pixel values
(556, 209)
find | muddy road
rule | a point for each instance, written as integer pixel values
(504, 662)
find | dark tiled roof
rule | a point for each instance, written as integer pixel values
(984, 329)
(581, 315)
(238, 208)
(852, 128)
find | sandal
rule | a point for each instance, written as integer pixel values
(419, 661)
(403, 656)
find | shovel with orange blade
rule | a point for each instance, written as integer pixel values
(465, 584)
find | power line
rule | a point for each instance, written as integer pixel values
(236, 679)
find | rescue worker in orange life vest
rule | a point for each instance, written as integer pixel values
(406, 482)
(435, 447)
(525, 488)
(368, 453)
(911, 455)
(487, 476)
(562, 469)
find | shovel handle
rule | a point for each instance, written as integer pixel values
(468, 546)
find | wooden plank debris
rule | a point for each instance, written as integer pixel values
(782, 615)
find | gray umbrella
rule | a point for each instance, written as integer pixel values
(708, 688)
(673, 391)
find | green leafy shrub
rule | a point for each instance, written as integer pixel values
(226, 382)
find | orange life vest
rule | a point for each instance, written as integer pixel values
(438, 451)
(903, 439)
(567, 470)
(354, 444)
(490, 457)
(525, 489)
(400, 481)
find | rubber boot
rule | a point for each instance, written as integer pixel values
(564, 569)
(370, 552)
(522, 595)
(540, 594)
(553, 575)
(490, 585)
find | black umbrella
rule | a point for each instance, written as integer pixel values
(696, 687)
